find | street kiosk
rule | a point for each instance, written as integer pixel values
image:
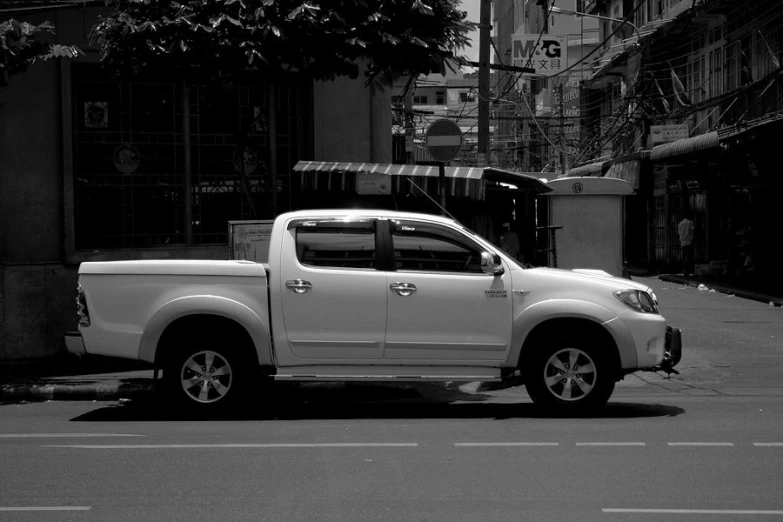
(591, 212)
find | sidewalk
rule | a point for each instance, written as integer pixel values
(739, 290)
(92, 378)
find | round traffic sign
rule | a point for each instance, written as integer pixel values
(444, 140)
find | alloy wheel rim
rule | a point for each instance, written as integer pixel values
(206, 377)
(570, 374)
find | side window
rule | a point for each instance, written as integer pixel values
(336, 244)
(425, 247)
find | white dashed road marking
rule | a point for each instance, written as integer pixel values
(503, 444)
(768, 444)
(696, 511)
(63, 435)
(46, 508)
(203, 446)
(611, 444)
(708, 444)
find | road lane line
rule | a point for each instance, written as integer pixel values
(712, 444)
(696, 511)
(502, 444)
(768, 444)
(46, 508)
(611, 444)
(63, 435)
(206, 446)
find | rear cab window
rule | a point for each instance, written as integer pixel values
(336, 244)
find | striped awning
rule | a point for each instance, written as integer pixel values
(461, 181)
(702, 142)
(591, 169)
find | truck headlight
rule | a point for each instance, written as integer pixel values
(638, 300)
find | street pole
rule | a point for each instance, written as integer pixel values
(408, 114)
(483, 103)
(562, 130)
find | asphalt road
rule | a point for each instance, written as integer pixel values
(704, 445)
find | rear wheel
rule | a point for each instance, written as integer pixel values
(207, 377)
(571, 376)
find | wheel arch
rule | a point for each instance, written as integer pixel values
(560, 326)
(187, 315)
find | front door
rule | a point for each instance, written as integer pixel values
(442, 307)
(333, 295)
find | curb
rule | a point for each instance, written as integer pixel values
(79, 392)
(773, 301)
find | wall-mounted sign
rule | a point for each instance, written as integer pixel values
(245, 161)
(547, 55)
(96, 115)
(126, 159)
(249, 239)
(373, 184)
(668, 133)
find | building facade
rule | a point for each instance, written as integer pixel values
(97, 169)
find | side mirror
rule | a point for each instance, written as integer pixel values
(491, 264)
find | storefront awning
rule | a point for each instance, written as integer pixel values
(591, 169)
(628, 167)
(706, 141)
(462, 181)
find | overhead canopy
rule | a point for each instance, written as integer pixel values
(702, 142)
(384, 178)
(591, 169)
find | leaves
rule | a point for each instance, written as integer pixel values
(322, 39)
(21, 47)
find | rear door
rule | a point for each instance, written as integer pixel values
(333, 294)
(442, 307)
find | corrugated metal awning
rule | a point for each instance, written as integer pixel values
(706, 141)
(591, 169)
(462, 181)
(628, 167)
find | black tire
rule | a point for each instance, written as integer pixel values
(208, 375)
(571, 376)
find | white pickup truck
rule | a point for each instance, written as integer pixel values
(365, 295)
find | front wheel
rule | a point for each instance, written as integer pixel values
(570, 377)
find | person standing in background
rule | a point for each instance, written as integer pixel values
(685, 229)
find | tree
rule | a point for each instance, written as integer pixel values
(322, 39)
(21, 46)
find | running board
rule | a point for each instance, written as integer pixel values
(385, 378)
(390, 373)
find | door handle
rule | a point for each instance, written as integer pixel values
(403, 289)
(299, 286)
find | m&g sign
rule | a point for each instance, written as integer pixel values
(547, 54)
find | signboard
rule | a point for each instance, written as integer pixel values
(668, 133)
(444, 140)
(249, 239)
(548, 56)
(373, 184)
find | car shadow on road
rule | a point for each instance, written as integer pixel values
(360, 401)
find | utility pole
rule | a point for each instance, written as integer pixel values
(483, 103)
(408, 115)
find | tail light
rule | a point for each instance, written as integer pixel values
(81, 307)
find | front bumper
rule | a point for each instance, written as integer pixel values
(672, 352)
(74, 343)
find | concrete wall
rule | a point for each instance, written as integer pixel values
(352, 122)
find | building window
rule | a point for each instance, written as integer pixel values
(420, 100)
(467, 97)
(129, 164)
(440, 98)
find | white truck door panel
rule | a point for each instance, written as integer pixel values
(441, 306)
(333, 298)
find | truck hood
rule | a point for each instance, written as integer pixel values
(582, 276)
